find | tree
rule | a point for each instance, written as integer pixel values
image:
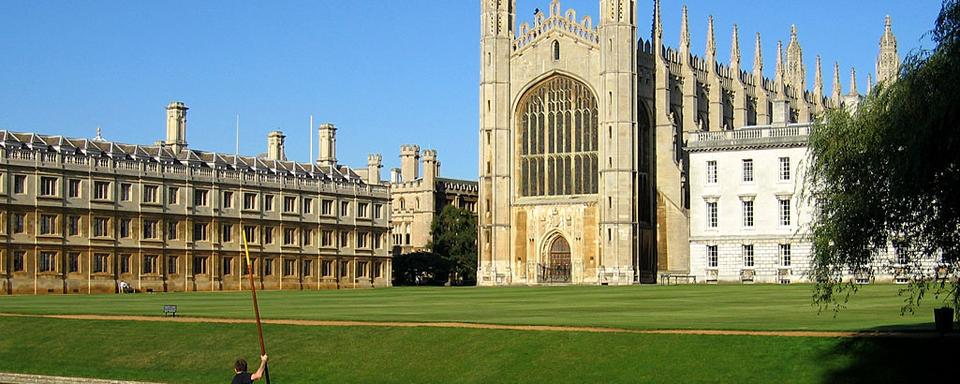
(455, 240)
(887, 176)
(420, 268)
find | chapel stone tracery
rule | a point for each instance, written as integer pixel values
(558, 139)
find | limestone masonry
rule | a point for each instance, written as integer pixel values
(83, 215)
(586, 141)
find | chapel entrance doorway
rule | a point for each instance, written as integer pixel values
(557, 267)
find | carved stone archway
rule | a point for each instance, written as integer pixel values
(557, 266)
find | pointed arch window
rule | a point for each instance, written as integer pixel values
(556, 50)
(557, 139)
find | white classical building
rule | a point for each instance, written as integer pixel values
(750, 215)
(749, 220)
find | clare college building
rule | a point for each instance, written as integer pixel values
(83, 215)
(611, 159)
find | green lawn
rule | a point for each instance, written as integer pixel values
(203, 353)
(752, 307)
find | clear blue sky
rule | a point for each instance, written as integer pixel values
(386, 72)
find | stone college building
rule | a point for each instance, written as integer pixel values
(80, 216)
(590, 136)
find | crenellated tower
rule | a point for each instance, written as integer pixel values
(618, 116)
(374, 164)
(496, 43)
(409, 162)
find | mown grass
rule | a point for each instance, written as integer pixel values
(203, 353)
(735, 307)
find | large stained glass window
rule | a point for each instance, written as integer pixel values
(557, 139)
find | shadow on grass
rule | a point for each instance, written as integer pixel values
(921, 356)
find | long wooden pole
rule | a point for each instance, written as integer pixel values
(256, 308)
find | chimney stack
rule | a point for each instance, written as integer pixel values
(395, 175)
(275, 146)
(328, 145)
(176, 126)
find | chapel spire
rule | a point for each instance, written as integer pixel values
(888, 63)
(657, 25)
(757, 59)
(853, 81)
(778, 78)
(795, 72)
(684, 33)
(818, 82)
(735, 50)
(837, 91)
(711, 42)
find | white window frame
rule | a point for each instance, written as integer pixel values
(747, 174)
(785, 255)
(748, 256)
(747, 211)
(785, 169)
(711, 172)
(713, 256)
(784, 212)
(712, 220)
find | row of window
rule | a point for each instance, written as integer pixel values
(201, 197)
(100, 263)
(747, 213)
(746, 173)
(100, 227)
(784, 255)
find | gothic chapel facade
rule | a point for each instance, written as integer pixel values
(583, 171)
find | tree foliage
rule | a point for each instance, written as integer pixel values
(887, 176)
(420, 268)
(455, 240)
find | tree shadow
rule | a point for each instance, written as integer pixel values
(916, 354)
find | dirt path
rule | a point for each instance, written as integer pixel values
(333, 323)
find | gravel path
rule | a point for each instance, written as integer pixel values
(332, 323)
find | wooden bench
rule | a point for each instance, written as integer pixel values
(665, 278)
(170, 310)
(747, 275)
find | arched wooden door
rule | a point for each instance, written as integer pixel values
(557, 269)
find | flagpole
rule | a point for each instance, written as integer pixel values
(256, 308)
(237, 149)
(310, 158)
